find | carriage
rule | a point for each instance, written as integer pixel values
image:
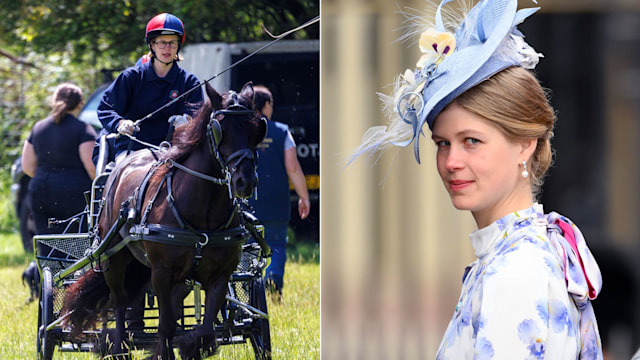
(125, 233)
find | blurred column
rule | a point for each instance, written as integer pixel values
(348, 211)
(622, 74)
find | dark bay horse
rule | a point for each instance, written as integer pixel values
(177, 203)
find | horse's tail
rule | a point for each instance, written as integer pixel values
(82, 301)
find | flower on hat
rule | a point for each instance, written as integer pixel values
(435, 45)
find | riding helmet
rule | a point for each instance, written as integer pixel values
(164, 24)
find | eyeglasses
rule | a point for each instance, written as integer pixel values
(163, 44)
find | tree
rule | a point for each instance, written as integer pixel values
(98, 31)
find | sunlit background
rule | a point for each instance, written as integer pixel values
(393, 248)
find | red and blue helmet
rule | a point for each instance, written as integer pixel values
(164, 24)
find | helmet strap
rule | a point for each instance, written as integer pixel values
(160, 61)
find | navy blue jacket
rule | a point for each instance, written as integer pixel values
(272, 203)
(137, 92)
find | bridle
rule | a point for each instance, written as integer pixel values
(214, 136)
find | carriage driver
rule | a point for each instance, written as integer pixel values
(140, 90)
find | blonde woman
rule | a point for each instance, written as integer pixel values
(527, 295)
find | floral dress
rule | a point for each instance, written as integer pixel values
(527, 296)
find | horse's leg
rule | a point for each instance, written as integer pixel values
(115, 278)
(215, 298)
(203, 337)
(160, 279)
(179, 293)
(214, 274)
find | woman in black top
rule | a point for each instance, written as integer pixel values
(57, 155)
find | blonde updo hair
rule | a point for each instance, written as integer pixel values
(516, 103)
(66, 98)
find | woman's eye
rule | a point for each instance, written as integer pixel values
(472, 141)
(442, 143)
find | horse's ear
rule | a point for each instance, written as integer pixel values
(262, 126)
(214, 97)
(247, 91)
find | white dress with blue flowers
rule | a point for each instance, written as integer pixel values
(527, 295)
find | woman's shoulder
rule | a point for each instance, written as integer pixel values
(527, 251)
(531, 237)
(131, 73)
(188, 76)
(71, 120)
(128, 79)
(76, 124)
(41, 124)
(282, 127)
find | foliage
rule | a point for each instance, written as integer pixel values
(11, 252)
(116, 27)
(302, 249)
(8, 216)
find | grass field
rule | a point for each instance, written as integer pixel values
(294, 322)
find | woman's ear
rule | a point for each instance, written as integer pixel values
(527, 148)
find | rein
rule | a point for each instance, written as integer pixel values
(218, 181)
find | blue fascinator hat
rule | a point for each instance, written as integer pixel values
(455, 58)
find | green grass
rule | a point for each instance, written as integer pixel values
(294, 321)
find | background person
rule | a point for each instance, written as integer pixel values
(277, 165)
(142, 89)
(57, 155)
(528, 293)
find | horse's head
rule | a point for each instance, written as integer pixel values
(235, 130)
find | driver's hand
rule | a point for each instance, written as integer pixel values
(179, 120)
(127, 127)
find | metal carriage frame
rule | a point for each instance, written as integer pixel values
(243, 317)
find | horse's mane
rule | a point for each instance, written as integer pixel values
(187, 137)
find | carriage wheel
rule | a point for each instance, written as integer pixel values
(260, 337)
(45, 317)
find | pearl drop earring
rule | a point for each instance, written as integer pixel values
(525, 173)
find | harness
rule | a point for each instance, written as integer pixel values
(186, 234)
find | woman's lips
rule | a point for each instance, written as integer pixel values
(457, 185)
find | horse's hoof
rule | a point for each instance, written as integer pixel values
(107, 346)
(187, 347)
